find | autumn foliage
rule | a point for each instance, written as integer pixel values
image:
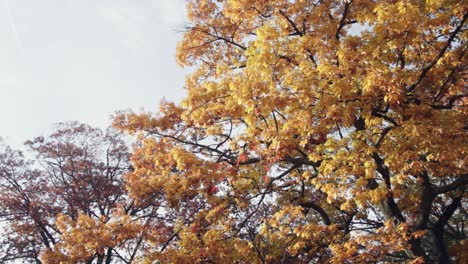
(312, 132)
(64, 200)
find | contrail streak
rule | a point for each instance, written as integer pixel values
(13, 27)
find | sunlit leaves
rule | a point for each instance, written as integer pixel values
(320, 131)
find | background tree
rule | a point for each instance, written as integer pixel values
(69, 205)
(17, 198)
(313, 131)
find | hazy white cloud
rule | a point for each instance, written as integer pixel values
(11, 21)
(85, 59)
(170, 11)
(8, 80)
(145, 24)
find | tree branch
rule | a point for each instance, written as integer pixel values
(440, 55)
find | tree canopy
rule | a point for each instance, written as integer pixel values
(313, 131)
(64, 200)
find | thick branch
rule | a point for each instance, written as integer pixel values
(342, 21)
(426, 201)
(459, 182)
(384, 171)
(439, 229)
(296, 29)
(318, 209)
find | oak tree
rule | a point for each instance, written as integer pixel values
(312, 132)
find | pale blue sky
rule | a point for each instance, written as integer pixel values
(84, 59)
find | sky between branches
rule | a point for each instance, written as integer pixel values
(84, 59)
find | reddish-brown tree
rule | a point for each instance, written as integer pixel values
(72, 194)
